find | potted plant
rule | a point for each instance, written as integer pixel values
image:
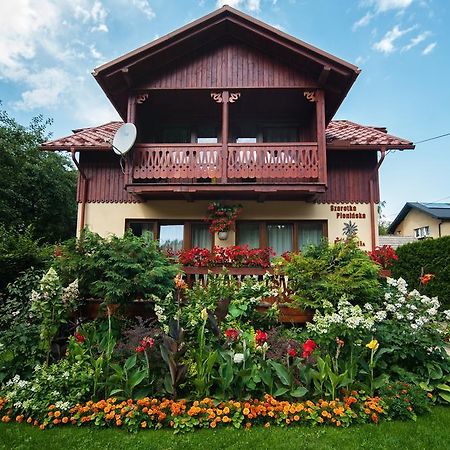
(222, 218)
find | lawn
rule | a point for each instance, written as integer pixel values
(430, 432)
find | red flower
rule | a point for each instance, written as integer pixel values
(79, 337)
(58, 252)
(384, 256)
(145, 343)
(425, 279)
(260, 337)
(308, 348)
(232, 334)
(140, 349)
(292, 352)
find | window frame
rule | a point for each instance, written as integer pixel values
(187, 228)
(264, 236)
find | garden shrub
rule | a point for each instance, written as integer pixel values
(19, 251)
(19, 328)
(323, 274)
(423, 257)
(118, 269)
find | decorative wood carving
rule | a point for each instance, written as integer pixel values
(141, 98)
(310, 96)
(234, 96)
(217, 97)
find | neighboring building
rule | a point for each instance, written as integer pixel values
(395, 241)
(422, 220)
(230, 109)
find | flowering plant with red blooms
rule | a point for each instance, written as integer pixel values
(222, 217)
(292, 352)
(145, 343)
(425, 279)
(308, 348)
(260, 337)
(236, 256)
(79, 337)
(384, 256)
(232, 334)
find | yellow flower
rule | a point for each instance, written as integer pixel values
(204, 314)
(373, 344)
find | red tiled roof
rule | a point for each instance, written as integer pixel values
(339, 133)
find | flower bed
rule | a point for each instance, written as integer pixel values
(183, 415)
(236, 256)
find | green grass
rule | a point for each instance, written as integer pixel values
(429, 432)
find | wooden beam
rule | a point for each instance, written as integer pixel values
(225, 129)
(126, 76)
(323, 77)
(321, 138)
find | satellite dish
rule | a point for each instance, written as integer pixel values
(124, 139)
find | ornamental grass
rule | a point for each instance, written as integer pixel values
(182, 415)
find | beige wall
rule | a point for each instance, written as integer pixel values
(109, 218)
(417, 219)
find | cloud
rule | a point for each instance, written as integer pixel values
(364, 21)
(251, 5)
(387, 43)
(416, 40)
(429, 48)
(87, 12)
(388, 5)
(46, 89)
(144, 7)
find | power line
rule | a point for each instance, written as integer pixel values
(432, 138)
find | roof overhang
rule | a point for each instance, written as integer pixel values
(122, 74)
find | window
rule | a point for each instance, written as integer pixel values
(138, 228)
(206, 135)
(172, 236)
(281, 237)
(248, 234)
(422, 232)
(246, 140)
(200, 235)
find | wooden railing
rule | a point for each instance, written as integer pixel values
(273, 162)
(260, 163)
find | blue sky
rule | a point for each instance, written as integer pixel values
(49, 47)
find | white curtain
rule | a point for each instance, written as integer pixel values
(200, 235)
(309, 234)
(248, 234)
(280, 237)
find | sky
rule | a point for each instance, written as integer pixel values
(48, 49)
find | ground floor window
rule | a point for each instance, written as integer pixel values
(289, 236)
(173, 236)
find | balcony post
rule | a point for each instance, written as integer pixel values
(225, 128)
(321, 138)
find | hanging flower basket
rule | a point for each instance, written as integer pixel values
(222, 218)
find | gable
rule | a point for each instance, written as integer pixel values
(230, 65)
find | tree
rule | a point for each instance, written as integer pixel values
(383, 224)
(37, 188)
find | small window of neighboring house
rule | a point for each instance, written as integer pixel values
(422, 232)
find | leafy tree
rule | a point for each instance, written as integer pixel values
(37, 188)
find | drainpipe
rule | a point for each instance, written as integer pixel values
(440, 223)
(84, 192)
(372, 202)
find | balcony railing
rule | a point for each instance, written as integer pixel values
(245, 163)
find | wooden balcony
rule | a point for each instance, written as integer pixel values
(263, 168)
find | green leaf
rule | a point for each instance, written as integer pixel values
(299, 392)
(445, 396)
(280, 391)
(137, 378)
(281, 372)
(130, 362)
(443, 387)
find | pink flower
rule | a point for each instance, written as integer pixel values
(232, 334)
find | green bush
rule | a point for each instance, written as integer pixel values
(117, 269)
(322, 275)
(427, 256)
(19, 251)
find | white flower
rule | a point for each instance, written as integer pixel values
(447, 314)
(380, 316)
(368, 307)
(238, 358)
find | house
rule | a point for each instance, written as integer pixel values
(230, 109)
(422, 220)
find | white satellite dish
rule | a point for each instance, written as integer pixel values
(124, 139)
